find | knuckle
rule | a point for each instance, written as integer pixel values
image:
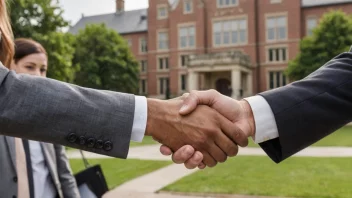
(232, 150)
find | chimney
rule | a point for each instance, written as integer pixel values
(120, 6)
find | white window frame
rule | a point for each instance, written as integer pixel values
(232, 19)
(143, 41)
(159, 85)
(167, 40)
(226, 6)
(188, 26)
(140, 86)
(180, 60)
(269, 70)
(277, 47)
(141, 65)
(164, 62)
(309, 31)
(186, 83)
(162, 6)
(185, 2)
(275, 1)
(275, 15)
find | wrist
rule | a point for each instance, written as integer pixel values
(248, 114)
(151, 112)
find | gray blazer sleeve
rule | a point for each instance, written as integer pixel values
(308, 110)
(51, 111)
(67, 180)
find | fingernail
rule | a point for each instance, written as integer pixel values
(188, 151)
(183, 108)
(197, 157)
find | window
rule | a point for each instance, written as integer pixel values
(184, 60)
(144, 65)
(143, 86)
(163, 63)
(227, 3)
(231, 32)
(187, 37)
(183, 82)
(277, 54)
(187, 6)
(143, 45)
(163, 85)
(162, 12)
(311, 24)
(129, 42)
(276, 28)
(163, 41)
(277, 79)
(275, 1)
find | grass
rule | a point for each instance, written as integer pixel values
(342, 137)
(147, 140)
(118, 171)
(295, 177)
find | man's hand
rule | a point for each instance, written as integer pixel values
(204, 129)
(238, 112)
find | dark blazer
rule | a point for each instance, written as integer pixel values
(47, 110)
(308, 110)
(56, 161)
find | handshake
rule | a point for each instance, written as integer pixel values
(201, 128)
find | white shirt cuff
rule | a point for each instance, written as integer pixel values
(140, 119)
(265, 124)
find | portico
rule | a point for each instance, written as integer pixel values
(227, 72)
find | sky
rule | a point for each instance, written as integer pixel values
(73, 9)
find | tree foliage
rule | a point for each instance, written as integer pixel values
(105, 60)
(331, 37)
(42, 21)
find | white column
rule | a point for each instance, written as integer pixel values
(236, 83)
(249, 84)
(192, 80)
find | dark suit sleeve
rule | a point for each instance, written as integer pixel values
(308, 110)
(50, 111)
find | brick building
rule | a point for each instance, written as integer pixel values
(238, 47)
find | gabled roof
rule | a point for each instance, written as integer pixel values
(314, 3)
(123, 22)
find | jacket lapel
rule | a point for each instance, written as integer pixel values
(10, 141)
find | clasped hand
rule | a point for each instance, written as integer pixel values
(201, 128)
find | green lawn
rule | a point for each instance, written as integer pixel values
(147, 140)
(342, 137)
(295, 177)
(118, 171)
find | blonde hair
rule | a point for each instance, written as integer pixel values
(6, 43)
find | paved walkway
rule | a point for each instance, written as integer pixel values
(152, 153)
(146, 185)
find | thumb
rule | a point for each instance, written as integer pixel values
(190, 102)
(197, 98)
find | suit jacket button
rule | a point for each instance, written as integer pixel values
(15, 179)
(72, 137)
(99, 144)
(82, 140)
(90, 142)
(107, 146)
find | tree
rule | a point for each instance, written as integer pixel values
(331, 37)
(105, 60)
(60, 50)
(29, 17)
(42, 21)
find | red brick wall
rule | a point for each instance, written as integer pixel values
(203, 15)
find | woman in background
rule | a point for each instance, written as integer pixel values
(47, 167)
